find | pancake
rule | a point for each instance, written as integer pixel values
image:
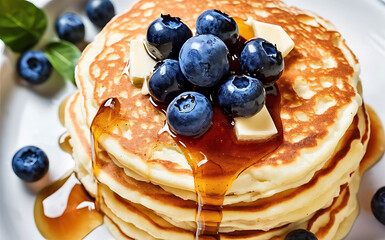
(141, 177)
(343, 207)
(320, 191)
(314, 103)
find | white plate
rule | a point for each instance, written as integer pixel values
(29, 115)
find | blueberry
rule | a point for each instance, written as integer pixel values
(165, 37)
(219, 24)
(378, 205)
(30, 163)
(300, 234)
(167, 81)
(190, 114)
(203, 60)
(34, 67)
(70, 27)
(241, 96)
(100, 12)
(262, 60)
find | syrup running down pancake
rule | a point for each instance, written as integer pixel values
(145, 180)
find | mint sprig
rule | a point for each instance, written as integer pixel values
(21, 24)
(64, 57)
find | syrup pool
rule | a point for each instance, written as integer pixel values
(64, 210)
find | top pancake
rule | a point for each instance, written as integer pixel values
(319, 97)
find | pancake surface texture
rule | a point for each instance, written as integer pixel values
(142, 177)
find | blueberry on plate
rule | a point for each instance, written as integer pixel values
(34, 67)
(167, 81)
(30, 163)
(70, 27)
(190, 114)
(165, 37)
(378, 205)
(203, 60)
(219, 24)
(100, 12)
(261, 59)
(300, 234)
(241, 96)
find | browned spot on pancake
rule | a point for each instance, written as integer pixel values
(312, 46)
(367, 124)
(170, 166)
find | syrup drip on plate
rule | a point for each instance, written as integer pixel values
(376, 144)
(64, 210)
(64, 143)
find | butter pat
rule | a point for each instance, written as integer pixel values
(141, 64)
(257, 127)
(272, 33)
(145, 90)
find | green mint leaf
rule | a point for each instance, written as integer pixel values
(64, 57)
(21, 24)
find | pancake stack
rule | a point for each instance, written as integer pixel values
(139, 174)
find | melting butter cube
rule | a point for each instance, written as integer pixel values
(272, 33)
(257, 127)
(141, 64)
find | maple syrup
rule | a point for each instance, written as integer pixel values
(376, 144)
(64, 142)
(64, 210)
(107, 118)
(217, 158)
(246, 32)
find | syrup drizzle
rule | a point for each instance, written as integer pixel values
(107, 118)
(64, 143)
(217, 158)
(246, 32)
(64, 210)
(376, 145)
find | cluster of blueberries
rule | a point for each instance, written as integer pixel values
(192, 66)
(34, 67)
